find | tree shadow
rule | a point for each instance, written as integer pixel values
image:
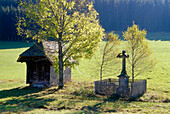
(20, 91)
(20, 100)
(104, 103)
(97, 108)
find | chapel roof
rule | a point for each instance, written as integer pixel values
(44, 50)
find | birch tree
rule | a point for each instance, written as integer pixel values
(109, 52)
(140, 59)
(104, 62)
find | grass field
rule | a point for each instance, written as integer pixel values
(78, 96)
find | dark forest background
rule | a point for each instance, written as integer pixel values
(115, 15)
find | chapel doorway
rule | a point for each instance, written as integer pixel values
(42, 70)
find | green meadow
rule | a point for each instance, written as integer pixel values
(78, 96)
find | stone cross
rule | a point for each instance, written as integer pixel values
(123, 55)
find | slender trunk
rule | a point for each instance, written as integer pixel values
(133, 62)
(60, 56)
(133, 73)
(103, 60)
(101, 69)
(133, 67)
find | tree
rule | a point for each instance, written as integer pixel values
(103, 61)
(140, 59)
(72, 23)
(109, 52)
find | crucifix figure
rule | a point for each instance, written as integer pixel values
(123, 55)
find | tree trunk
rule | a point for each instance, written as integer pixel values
(101, 69)
(60, 55)
(103, 61)
(133, 67)
(133, 73)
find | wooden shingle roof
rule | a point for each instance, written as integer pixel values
(44, 50)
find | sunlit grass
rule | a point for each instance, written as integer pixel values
(78, 96)
(12, 73)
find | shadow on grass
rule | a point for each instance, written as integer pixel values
(101, 104)
(81, 100)
(20, 91)
(20, 100)
(113, 103)
(97, 108)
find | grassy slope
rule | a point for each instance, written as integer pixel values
(159, 79)
(12, 73)
(78, 96)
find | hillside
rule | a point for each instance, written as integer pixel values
(117, 15)
(114, 15)
(78, 96)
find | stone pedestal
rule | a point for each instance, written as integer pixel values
(123, 89)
